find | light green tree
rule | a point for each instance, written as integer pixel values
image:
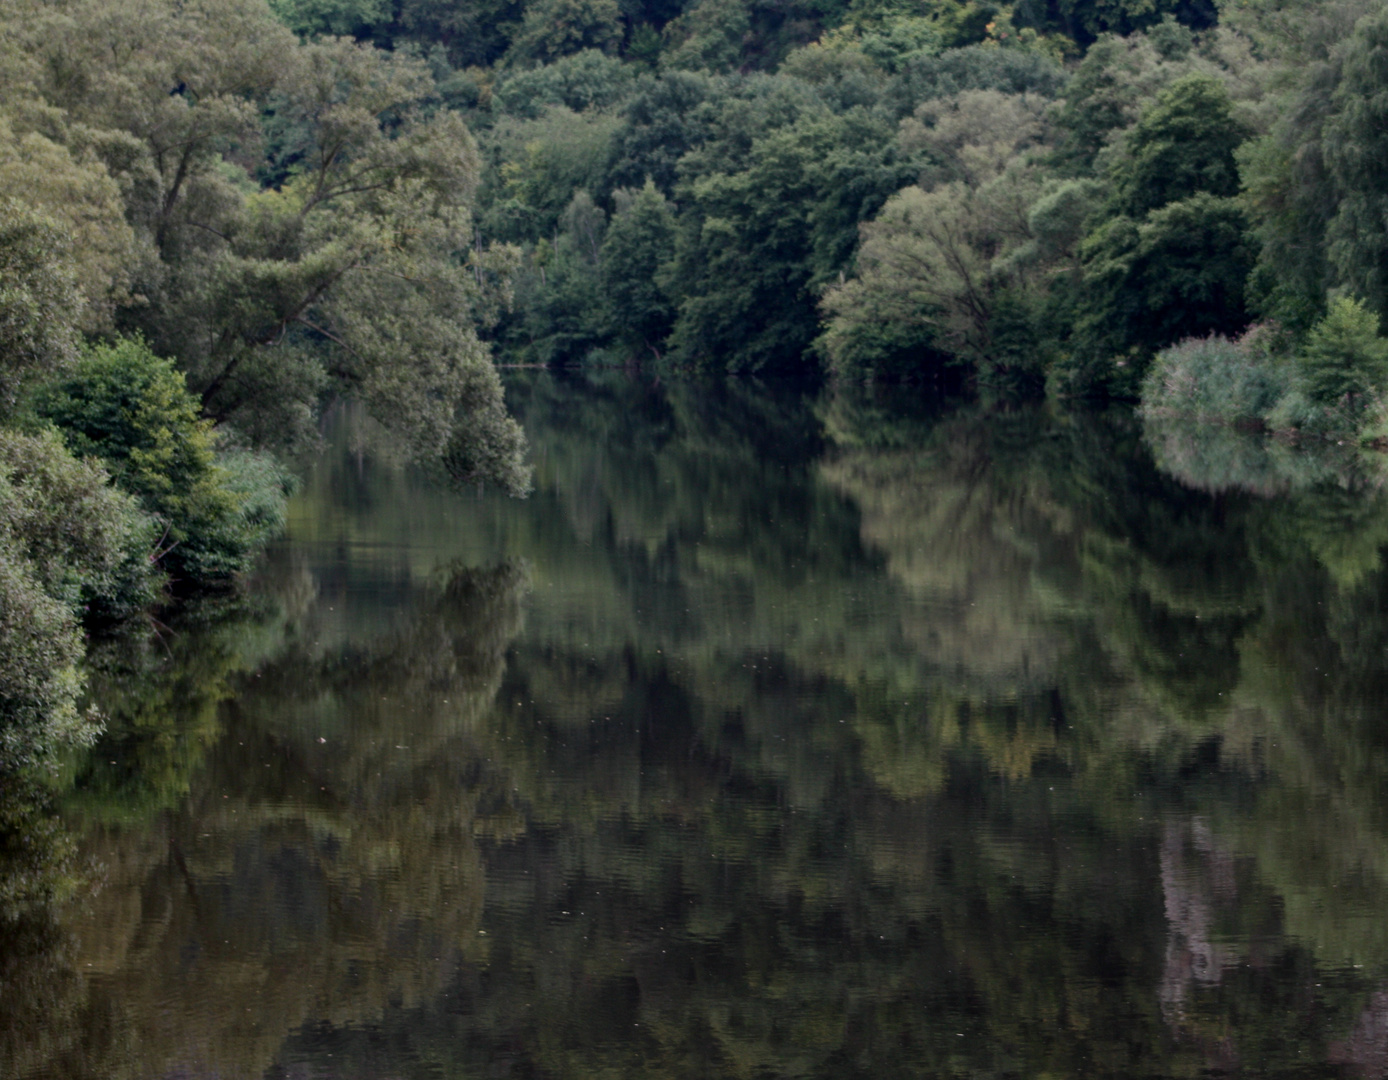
(639, 241)
(1345, 360)
(40, 303)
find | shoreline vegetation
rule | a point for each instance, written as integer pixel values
(219, 214)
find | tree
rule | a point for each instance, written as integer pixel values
(662, 121)
(132, 410)
(1179, 273)
(1182, 144)
(559, 299)
(74, 190)
(924, 76)
(67, 540)
(470, 31)
(1345, 360)
(345, 18)
(40, 648)
(1085, 20)
(356, 269)
(90, 544)
(769, 211)
(555, 28)
(972, 135)
(589, 79)
(1356, 152)
(709, 36)
(639, 241)
(540, 164)
(934, 261)
(40, 304)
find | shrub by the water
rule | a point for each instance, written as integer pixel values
(90, 545)
(1335, 384)
(132, 410)
(69, 542)
(1218, 378)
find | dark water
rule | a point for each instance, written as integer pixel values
(773, 736)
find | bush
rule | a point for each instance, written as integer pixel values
(67, 539)
(1217, 378)
(40, 648)
(132, 410)
(90, 545)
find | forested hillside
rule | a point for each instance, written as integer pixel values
(1019, 198)
(218, 214)
(1024, 199)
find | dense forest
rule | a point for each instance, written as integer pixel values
(1050, 637)
(219, 215)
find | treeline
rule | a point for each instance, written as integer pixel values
(218, 213)
(1040, 197)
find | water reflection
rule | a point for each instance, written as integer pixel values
(773, 736)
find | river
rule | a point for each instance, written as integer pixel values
(776, 734)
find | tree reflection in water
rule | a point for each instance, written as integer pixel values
(784, 736)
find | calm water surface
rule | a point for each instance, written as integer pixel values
(773, 736)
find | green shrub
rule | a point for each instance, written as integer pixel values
(132, 410)
(89, 544)
(1217, 378)
(260, 487)
(68, 540)
(40, 648)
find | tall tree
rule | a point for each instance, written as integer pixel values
(1356, 151)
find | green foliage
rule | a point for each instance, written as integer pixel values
(767, 217)
(340, 17)
(562, 310)
(471, 32)
(952, 23)
(68, 542)
(89, 544)
(1356, 154)
(543, 162)
(39, 302)
(1334, 383)
(1182, 144)
(588, 79)
(928, 262)
(69, 196)
(1345, 360)
(1287, 193)
(1178, 273)
(708, 36)
(555, 28)
(925, 77)
(354, 266)
(639, 241)
(132, 410)
(664, 119)
(1086, 20)
(1216, 378)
